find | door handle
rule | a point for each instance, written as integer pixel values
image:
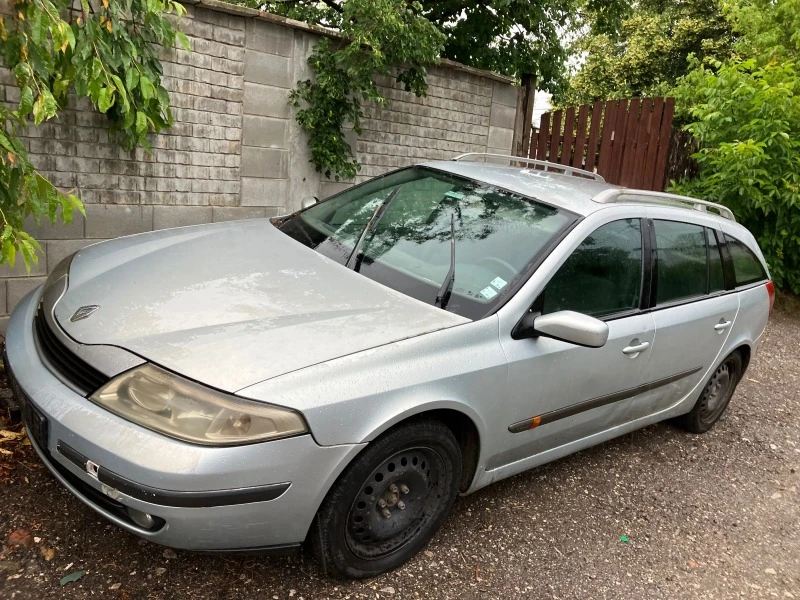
(722, 325)
(637, 348)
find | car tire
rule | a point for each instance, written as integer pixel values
(715, 396)
(389, 502)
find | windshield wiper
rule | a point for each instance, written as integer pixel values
(355, 258)
(443, 297)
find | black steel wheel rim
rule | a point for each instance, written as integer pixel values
(396, 502)
(718, 391)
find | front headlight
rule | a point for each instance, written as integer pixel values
(183, 409)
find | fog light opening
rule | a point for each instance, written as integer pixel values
(142, 519)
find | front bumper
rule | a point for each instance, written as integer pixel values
(202, 498)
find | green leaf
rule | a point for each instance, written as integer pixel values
(72, 577)
(25, 101)
(141, 123)
(146, 87)
(4, 141)
(76, 204)
(106, 99)
(131, 78)
(123, 96)
(9, 252)
(50, 104)
(39, 113)
(184, 41)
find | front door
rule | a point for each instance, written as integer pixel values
(559, 392)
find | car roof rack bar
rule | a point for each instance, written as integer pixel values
(631, 195)
(533, 161)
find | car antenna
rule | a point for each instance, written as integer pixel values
(443, 297)
(353, 261)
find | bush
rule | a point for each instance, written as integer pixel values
(746, 119)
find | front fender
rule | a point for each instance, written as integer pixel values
(353, 399)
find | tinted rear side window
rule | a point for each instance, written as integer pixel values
(746, 266)
(715, 271)
(682, 264)
(603, 275)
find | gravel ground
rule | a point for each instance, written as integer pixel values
(654, 514)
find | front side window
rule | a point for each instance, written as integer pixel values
(746, 266)
(498, 235)
(682, 265)
(603, 276)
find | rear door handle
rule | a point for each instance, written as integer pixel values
(636, 349)
(722, 325)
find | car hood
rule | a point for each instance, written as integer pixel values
(232, 304)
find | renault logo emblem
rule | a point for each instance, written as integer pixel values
(83, 312)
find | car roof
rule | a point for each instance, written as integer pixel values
(571, 192)
(565, 191)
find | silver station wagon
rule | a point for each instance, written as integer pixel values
(337, 376)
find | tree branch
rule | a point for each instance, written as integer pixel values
(333, 5)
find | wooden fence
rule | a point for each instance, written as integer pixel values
(625, 141)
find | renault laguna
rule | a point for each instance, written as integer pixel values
(338, 376)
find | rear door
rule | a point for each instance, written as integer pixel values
(693, 312)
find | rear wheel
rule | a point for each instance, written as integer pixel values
(389, 502)
(715, 396)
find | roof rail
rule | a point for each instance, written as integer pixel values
(532, 161)
(632, 195)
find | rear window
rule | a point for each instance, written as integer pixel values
(746, 266)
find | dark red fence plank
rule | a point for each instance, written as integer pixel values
(618, 144)
(649, 170)
(663, 144)
(609, 121)
(594, 134)
(580, 137)
(544, 132)
(642, 134)
(629, 152)
(569, 126)
(555, 137)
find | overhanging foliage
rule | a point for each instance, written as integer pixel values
(105, 51)
(745, 114)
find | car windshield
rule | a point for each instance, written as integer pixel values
(498, 235)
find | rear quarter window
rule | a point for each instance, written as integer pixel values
(746, 266)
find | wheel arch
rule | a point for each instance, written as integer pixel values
(465, 424)
(746, 351)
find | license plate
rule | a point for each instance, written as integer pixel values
(35, 424)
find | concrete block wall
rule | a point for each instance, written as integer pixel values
(462, 112)
(235, 150)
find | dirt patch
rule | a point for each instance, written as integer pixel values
(655, 514)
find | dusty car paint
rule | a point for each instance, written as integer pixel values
(242, 308)
(197, 299)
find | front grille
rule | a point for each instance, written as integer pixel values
(66, 365)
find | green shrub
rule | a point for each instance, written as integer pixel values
(746, 119)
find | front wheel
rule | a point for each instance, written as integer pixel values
(389, 502)
(715, 396)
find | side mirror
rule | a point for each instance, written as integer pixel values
(565, 325)
(308, 201)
